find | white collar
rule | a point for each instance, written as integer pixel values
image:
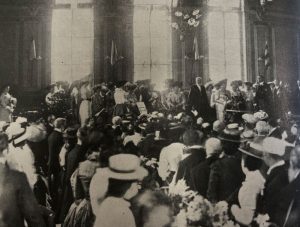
(272, 130)
(280, 163)
(58, 130)
(195, 147)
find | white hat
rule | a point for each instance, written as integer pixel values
(262, 128)
(261, 115)
(205, 125)
(116, 120)
(21, 120)
(121, 167)
(275, 146)
(36, 133)
(126, 167)
(249, 118)
(199, 121)
(14, 130)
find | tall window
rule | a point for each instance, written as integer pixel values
(72, 40)
(152, 41)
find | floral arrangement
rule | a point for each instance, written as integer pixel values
(186, 22)
(191, 209)
(151, 181)
(60, 104)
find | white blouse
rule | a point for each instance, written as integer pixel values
(119, 96)
(114, 211)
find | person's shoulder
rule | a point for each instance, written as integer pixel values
(15, 176)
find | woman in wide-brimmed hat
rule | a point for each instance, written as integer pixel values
(253, 183)
(111, 189)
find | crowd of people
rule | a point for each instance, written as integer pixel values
(106, 165)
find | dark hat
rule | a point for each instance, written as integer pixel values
(231, 133)
(120, 83)
(70, 133)
(236, 83)
(151, 128)
(220, 82)
(97, 87)
(250, 84)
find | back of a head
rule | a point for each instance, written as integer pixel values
(218, 126)
(59, 123)
(230, 148)
(213, 146)
(190, 137)
(95, 139)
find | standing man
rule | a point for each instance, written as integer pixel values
(198, 100)
(55, 143)
(263, 95)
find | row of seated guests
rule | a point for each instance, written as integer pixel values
(94, 170)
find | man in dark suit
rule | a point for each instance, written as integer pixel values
(73, 158)
(200, 173)
(193, 154)
(277, 180)
(226, 175)
(198, 100)
(263, 95)
(16, 197)
(55, 143)
(275, 131)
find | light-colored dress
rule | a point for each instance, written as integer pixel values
(251, 188)
(120, 100)
(219, 99)
(85, 109)
(5, 107)
(114, 211)
(22, 159)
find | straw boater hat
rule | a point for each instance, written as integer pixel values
(125, 167)
(231, 133)
(254, 149)
(275, 146)
(268, 145)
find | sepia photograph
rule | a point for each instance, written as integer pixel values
(149, 113)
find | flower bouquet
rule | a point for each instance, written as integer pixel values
(191, 209)
(186, 22)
